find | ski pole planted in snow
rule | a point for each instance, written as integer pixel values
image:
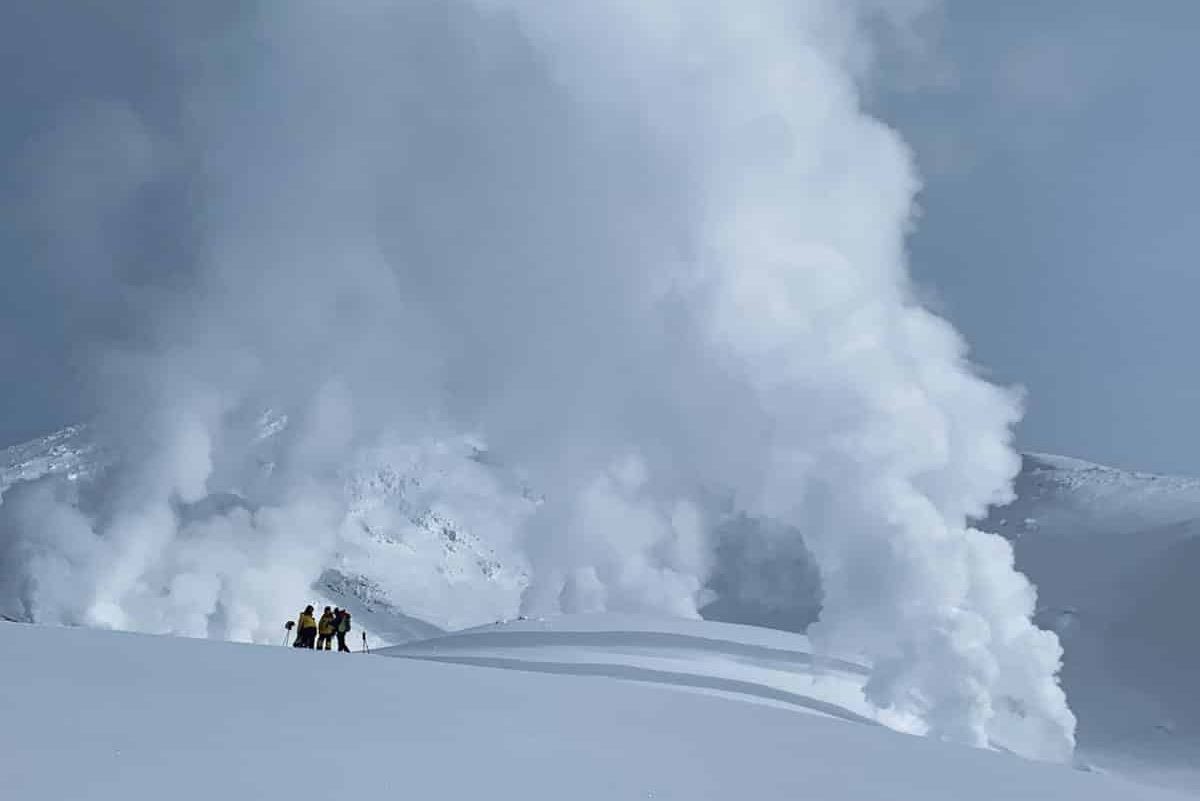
(287, 630)
(365, 649)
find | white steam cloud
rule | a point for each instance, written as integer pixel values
(649, 253)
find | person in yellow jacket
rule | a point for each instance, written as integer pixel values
(306, 629)
(326, 630)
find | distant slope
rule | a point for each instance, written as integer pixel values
(1115, 556)
(1064, 496)
(121, 717)
(415, 548)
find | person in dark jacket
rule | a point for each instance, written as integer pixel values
(325, 630)
(306, 629)
(341, 624)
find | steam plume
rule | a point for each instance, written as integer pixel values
(648, 253)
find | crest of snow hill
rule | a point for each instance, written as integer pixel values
(1112, 553)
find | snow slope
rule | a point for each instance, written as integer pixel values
(108, 716)
(751, 663)
(1115, 555)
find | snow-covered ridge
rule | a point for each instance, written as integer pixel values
(1079, 497)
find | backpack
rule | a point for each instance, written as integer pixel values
(344, 624)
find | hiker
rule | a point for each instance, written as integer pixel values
(337, 619)
(325, 630)
(306, 629)
(342, 626)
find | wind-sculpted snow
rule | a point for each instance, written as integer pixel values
(648, 256)
(745, 662)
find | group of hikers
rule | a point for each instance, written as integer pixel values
(319, 634)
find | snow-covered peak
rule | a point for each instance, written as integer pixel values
(70, 452)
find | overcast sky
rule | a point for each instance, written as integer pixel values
(1060, 220)
(1059, 144)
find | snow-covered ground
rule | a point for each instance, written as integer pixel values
(746, 661)
(123, 717)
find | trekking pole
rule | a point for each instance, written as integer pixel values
(365, 649)
(287, 630)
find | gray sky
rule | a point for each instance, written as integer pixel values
(1060, 218)
(1059, 142)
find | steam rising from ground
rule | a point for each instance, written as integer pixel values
(650, 254)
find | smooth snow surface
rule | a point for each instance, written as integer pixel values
(111, 716)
